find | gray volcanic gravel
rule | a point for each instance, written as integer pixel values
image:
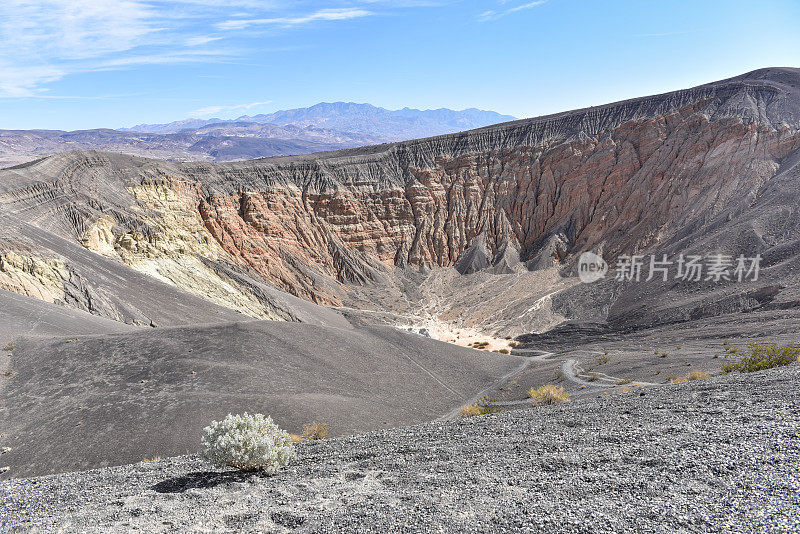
(715, 455)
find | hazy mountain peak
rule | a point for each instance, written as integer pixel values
(354, 118)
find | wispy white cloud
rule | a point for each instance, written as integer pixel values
(166, 58)
(21, 80)
(322, 14)
(494, 14)
(42, 41)
(201, 40)
(208, 111)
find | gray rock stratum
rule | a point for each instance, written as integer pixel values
(713, 456)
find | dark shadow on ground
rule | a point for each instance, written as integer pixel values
(201, 479)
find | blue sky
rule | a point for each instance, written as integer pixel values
(72, 64)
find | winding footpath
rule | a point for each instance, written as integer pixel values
(570, 370)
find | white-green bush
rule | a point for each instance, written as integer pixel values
(248, 442)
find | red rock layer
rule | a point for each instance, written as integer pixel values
(639, 183)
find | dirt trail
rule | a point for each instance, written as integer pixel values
(570, 369)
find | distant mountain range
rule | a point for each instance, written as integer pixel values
(364, 119)
(325, 126)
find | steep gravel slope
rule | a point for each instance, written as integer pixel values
(21, 315)
(719, 455)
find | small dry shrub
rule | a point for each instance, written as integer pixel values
(471, 410)
(483, 406)
(487, 405)
(315, 431)
(698, 375)
(761, 356)
(548, 394)
(679, 380)
(9, 346)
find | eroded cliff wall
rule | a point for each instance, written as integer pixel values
(614, 178)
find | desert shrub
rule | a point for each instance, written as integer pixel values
(698, 375)
(760, 356)
(592, 377)
(560, 375)
(248, 442)
(315, 431)
(487, 405)
(9, 346)
(603, 359)
(503, 351)
(483, 406)
(470, 410)
(548, 394)
(7, 373)
(624, 381)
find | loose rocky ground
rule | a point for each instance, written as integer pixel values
(715, 455)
